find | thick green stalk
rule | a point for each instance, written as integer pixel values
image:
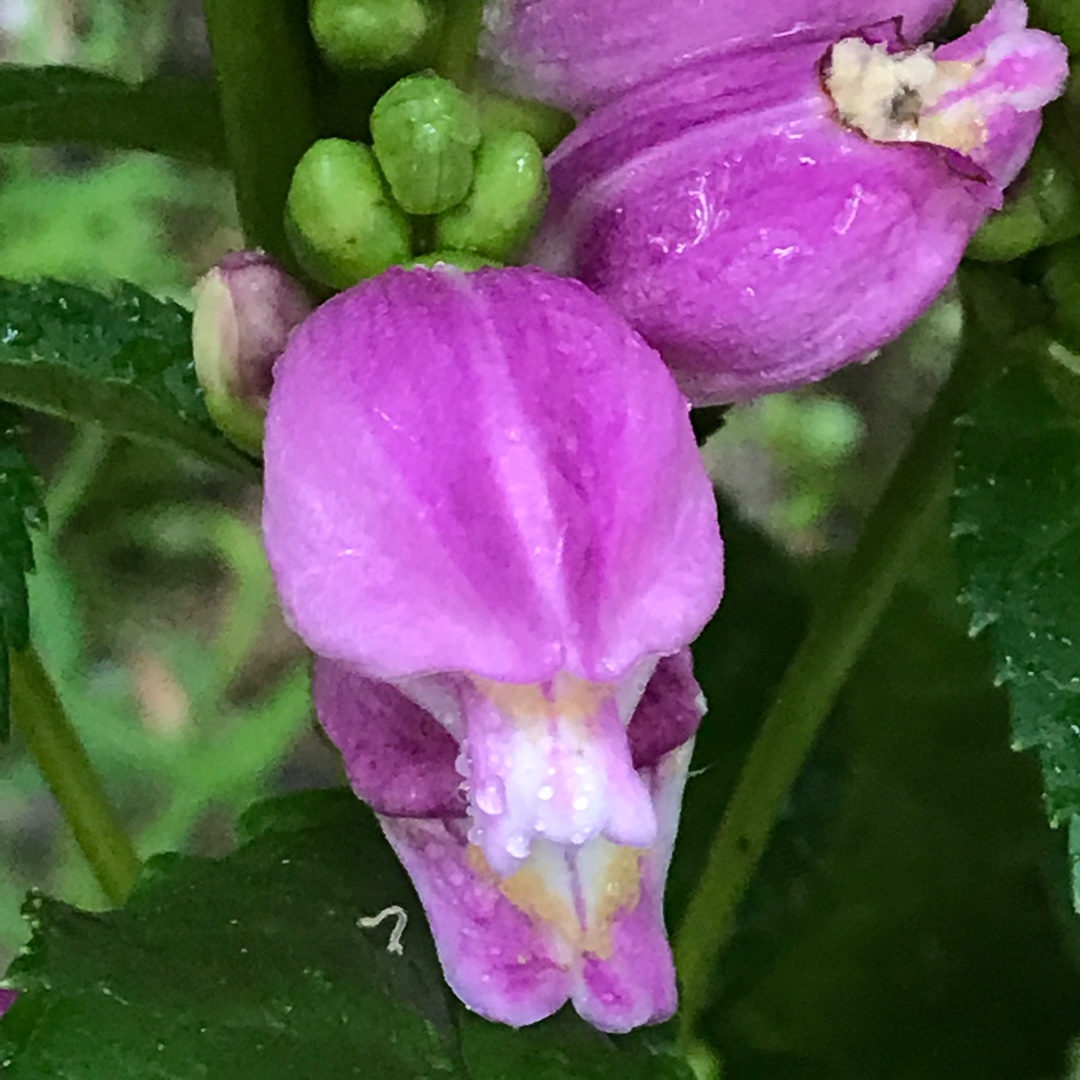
(456, 56)
(263, 61)
(59, 753)
(810, 686)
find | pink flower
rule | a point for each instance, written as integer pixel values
(486, 513)
(581, 53)
(765, 218)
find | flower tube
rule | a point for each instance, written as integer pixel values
(578, 54)
(486, 514)
(767, 218)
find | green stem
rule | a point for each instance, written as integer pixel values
(806, 695)
(63, 761)
(456, 56)
(89, 447)
(263, 62)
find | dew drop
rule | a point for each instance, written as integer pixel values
(517, 846)
(490, 798)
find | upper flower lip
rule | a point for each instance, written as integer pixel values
(486, 473)
(580, 54)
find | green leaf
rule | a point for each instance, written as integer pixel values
(251, 966)
(1016, 519)
(921, 937)
(254, 967)
(563, 1048)
(122, 361)
(20, 510)
(167, 114)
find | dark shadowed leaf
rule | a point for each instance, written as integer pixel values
(248, 967)
(564, 1048)
(1016, 519)
(920, 936)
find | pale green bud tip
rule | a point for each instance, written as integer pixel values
(507, 200)
(340, 218)
(245, 309)
(373, 33)
(425, 131)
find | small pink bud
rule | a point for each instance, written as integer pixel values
(245, 309)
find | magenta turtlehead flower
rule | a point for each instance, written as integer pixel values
(766, 218)
(487, 515)
(580, 53)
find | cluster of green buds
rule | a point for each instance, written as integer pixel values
(435, 185)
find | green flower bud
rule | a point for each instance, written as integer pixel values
(1042, 208)
(366, 34)
(500, 113)
(245, 309)
(339, 216)
(425, 131)
(507, 200)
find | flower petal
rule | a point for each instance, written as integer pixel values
(581, 53)
(583, 922)
(399, 758)
(633, 981)
(551, 765)
(500, 961)
(484, 472)
(669, 712)
(754, 240)
(7, 999)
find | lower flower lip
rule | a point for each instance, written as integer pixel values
(576, 922)
(565, 928)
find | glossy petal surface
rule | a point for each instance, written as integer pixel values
(485, 473)
(581, 53)
(759, 243)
